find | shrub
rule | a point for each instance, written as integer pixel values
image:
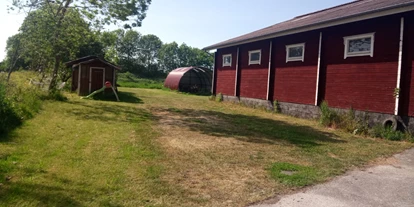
(55, 96)
(9, 119)
(380, 131)
(276, 106)
(328, 117)
(219, 97)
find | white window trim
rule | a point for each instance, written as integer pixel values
(256, 62)
(291, 59)
(357, 54)
(231, 60)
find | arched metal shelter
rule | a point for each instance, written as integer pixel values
(190, 79)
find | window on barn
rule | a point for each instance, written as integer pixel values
(295, 52)
(255, 57)
(227, 59)
(359, 45)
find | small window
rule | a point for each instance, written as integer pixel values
(295, 52)
(255, 57)
(227, 59)
(359, 45)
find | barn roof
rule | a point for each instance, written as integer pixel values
(89, 59)
(345, 13)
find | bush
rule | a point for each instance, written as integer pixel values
(329, 117)
(55, 96)
(219, 97)
(276, 106)
(345, 121)
(9, 119)
(380, 131)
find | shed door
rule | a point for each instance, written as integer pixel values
(97, 79)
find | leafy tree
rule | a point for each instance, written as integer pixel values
(14, 52)
(98, 12)
(168, 57)
(149, 47)
(172, 56)
(76, 40)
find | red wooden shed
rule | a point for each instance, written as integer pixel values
(90, 74)
(190, 79)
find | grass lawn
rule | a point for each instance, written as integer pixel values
(160, 148)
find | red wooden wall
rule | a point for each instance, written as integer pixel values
(407, 87)
(254, 78)
(295, 82)
(226, 76)
(363, 83)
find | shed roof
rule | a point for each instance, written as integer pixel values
(89, 59)
(345, 13)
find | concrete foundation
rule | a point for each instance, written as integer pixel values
(314, 112)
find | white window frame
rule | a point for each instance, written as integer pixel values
(224, 58)
(256, 62)
(291, 59)
(358, 54)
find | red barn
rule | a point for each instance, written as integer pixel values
(359, 55)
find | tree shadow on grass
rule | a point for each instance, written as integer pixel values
(125, 97)
(59, 192)
(109, 113)
(249, 128)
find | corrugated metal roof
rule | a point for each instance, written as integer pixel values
(336, 13)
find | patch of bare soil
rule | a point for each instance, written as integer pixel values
(214, 170)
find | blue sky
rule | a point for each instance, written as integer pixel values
(198, 23)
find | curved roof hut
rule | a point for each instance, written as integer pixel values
(190, 79)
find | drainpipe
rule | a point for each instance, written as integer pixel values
(397, 97)
(269, 70)
(319, 70)
(236, 84)
(213, 82)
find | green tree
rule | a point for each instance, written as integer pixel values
(168, 57)
(97, 12)
(76, 40)
(172, 56)
(149, 47)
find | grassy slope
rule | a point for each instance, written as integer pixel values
(167, 149)
(131, 81)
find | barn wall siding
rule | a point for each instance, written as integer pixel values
(363, 83)
(226, 76)
(254, 78)
(295, 82)
(407, 87)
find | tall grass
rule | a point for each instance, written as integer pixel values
(130, 80)
(9, 119)
(18, 102)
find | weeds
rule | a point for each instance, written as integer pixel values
(276, 107)
(388, 133)
(348, 121)
(219, 97)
